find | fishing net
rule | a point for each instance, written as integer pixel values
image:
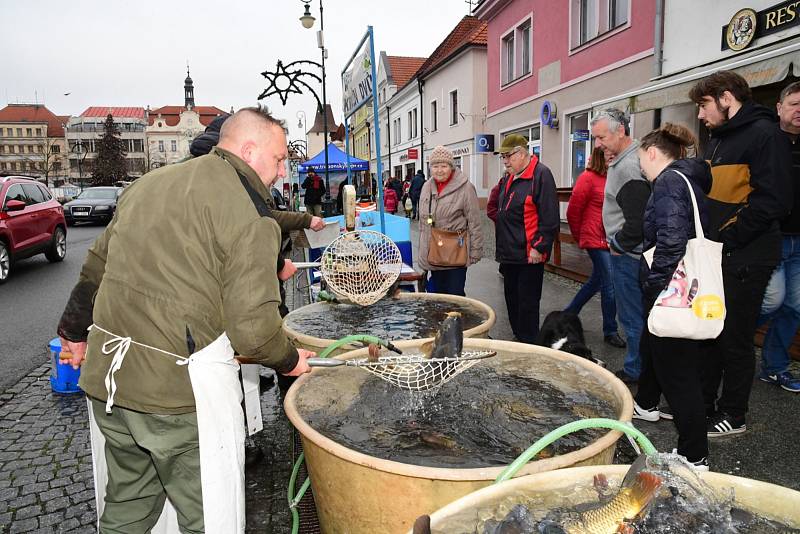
(414, 372)
(361, 266)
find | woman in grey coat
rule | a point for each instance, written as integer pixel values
(448, 202)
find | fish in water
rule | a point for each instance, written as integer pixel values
(449, 340)
(615, 516)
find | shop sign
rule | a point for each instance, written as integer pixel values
(580, 135)
(484, 144)
(463, 151)
(413, 153)
(747, 25)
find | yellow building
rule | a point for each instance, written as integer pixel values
(360, 142)
(32, 142)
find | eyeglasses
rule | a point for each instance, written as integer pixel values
(508, 155)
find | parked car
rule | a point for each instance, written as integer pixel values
(31, 222)
(94, 204)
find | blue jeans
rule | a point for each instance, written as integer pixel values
(625, 273)
(599, 280)
(781, 305)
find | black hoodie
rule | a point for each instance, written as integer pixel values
(669, 222)
(750, 163)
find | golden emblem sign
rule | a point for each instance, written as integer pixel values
(741, 29)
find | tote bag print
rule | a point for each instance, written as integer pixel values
(693, 304)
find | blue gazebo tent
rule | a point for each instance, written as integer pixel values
(337, 162)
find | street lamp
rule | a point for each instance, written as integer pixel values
(301, 123)
(308, 22)
(78, 148)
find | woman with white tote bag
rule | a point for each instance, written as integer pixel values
(676, 292)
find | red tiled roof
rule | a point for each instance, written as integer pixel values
(470, 31)
(34, 113)
(118, 112)
(403, 68)
(172, 114)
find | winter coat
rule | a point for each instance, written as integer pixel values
(186, 257)
(752, 190)
(585, 211)
(669, 222)
(397, 186)
(416, 187)
(315, 189)
(491, 203)
(455, 209)
(390, 200)
(527, 214)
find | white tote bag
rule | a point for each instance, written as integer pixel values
(693, 304)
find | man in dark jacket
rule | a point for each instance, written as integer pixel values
(750, 163)
(315, 190)
(526, 226)
(414, 191)
(782, 300)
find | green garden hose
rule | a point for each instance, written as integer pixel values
(569, 428)
(292, 497)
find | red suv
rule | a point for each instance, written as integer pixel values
(31, 222)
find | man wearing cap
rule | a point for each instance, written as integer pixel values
(526, 225)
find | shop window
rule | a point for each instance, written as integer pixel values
(580, 145)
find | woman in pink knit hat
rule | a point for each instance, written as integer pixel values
(448, 202)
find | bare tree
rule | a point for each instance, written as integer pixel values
(47, 159)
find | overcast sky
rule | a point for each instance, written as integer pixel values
(122, 53)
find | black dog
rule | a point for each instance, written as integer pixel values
(563, 331)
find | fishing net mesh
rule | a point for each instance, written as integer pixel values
(361, 266)
(416, 372)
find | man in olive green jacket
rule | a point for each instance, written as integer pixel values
(192, 252)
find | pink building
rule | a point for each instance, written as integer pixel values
(549, 61)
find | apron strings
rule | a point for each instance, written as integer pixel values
(119, 345)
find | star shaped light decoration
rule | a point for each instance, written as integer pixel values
(284, 81)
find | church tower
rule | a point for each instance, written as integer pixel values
(188, 90)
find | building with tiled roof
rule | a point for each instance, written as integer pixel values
(32, 142)
(394, 74)
(171, 129)
(83, 131)
(453, 107)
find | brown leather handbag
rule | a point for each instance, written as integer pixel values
(446, 247)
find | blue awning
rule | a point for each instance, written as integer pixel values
(337, 162)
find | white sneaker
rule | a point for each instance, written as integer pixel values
(700, 465)
(651, 415)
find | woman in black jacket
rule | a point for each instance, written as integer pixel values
(671, 365)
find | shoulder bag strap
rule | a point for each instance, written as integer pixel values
(698, 225)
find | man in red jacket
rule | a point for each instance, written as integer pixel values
(526, 225)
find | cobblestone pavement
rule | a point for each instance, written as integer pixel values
(46, 480)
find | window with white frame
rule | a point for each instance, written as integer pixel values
(174, 145)
(508, 58)
(397, 132)
(434, 116)
(593, 18)
(453, 107)
(161, 146)
(414, 129)
(410, 126)
(516, 52)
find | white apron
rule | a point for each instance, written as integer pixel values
(214, 374)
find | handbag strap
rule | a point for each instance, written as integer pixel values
(698, 225)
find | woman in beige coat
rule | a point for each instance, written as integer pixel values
(448, 202)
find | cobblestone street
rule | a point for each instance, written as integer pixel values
(46, 480)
